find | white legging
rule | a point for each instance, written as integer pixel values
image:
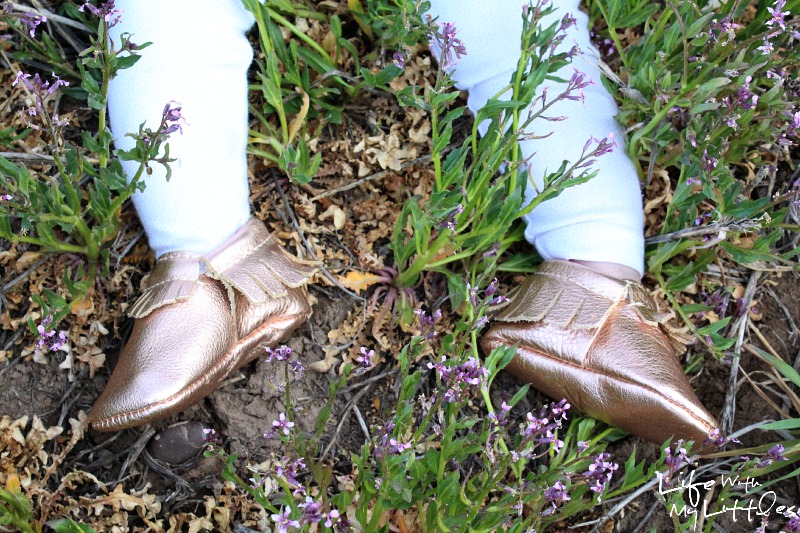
(200, 56)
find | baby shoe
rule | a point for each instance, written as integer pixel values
(198, 319)
(597, 341)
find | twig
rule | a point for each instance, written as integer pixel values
(68, 466)
(22, 276)
(343, 419)
(740, 326)
(52, 16)
(378, 175)
(180, 483)
(36, 158)
(713, 228)
(644, 520)
(363, 383)
(20, 156)
(310, 249)
(135, 450)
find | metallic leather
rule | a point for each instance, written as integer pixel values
(597, 341)
(192, 328)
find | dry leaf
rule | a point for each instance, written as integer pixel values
(358, 281)
(27, 259)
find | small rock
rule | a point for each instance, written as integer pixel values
(178, 443)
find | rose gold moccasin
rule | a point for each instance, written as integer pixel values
(198, 319)
(596, 341)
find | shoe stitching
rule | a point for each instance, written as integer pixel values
(109, 422)
(611, 376)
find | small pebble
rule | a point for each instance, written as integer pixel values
(178, 443)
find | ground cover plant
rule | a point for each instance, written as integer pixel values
(383, 415)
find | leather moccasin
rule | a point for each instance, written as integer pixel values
(598, 342)
(198, 319)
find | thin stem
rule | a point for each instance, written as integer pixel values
(613, 33)
(101, 118)
(300, 35)
(60, 247)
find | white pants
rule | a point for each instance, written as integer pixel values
(206, 199)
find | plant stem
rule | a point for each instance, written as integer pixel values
(613, 33)
(101, 116)
(60, 247)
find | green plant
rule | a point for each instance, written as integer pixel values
(75, 205)
(478, 189)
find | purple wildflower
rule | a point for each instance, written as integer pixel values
(472, 294)
(48, 338)
(766, 48)
(171, 119)
(535, 425)
(426, 322)
(449, 43)
(577, 83)
(333, 517)
(442, 370)
(283, 521)
(793, 525)
(674, 461)
(489, 292)
(366, 360)
(549, 437)
(290, 471)
(549, 420)
(32, 21)
(398, 447)
(555, 495)
(6, 197)
(794, 124)
(777, 15)
(297, 367)
(471, 372)
(283, 424)
(449, 221)
(746, 99)
(457, 378)
(724, 26)
(500, 419)
(708, 163)
(282, 353)
(567, 21)
(21, 76)
(107, 11)
(774, 454)
(598, 476)
(211, 437)
(583, 445)
(399, 59)
(312, 511)
(718, 440)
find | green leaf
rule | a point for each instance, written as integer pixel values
(792, 423)
(784, 368)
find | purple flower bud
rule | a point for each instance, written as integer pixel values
(708, 163)
(399, 59)
(32, 21)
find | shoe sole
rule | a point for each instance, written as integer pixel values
(245, 351)
(527, 362)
